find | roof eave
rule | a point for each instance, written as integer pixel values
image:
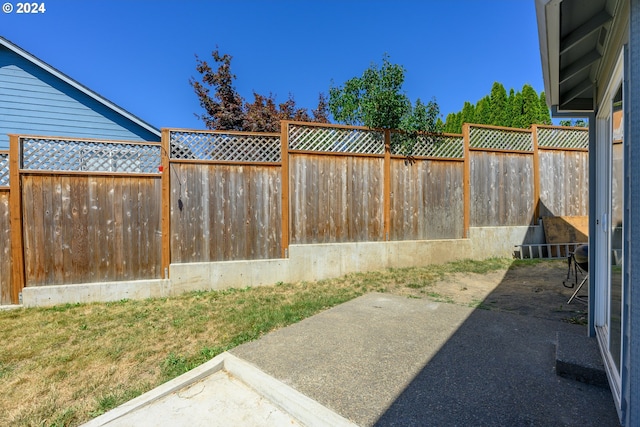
(548, 17)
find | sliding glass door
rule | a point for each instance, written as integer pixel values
(610, 207)
(617, 226)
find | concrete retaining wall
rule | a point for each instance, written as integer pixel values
(305, 262)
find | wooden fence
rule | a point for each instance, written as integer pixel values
(94, 211)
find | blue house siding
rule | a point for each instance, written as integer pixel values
(34, 101)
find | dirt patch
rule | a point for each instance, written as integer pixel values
(532, 290)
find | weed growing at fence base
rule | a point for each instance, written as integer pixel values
(66, 364)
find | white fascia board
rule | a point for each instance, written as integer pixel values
(548, 17)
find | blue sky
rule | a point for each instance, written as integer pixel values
(140, 54)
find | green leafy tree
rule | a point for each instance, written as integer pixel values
(452, 123)
(518, 109)
(374, 99)
(530, 106)
(515, 109)
(497, 105)
(545, 114)
(423, 118)
(577, 123)
(468, 115)
(483, 111)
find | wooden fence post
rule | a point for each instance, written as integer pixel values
(15, 208)
(284, 149)
(166, 203)
(466, 181)
(387, 184)
(536, 173)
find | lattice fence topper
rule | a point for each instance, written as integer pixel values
(563, 138)
(443, 146)
(193, 145)
(500, 139)
(89, 156)
(335, 140)
(4, 169)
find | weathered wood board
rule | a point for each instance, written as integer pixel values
(564, 183)
(426, 200)
(336, 199)
(501, 189)
(225, 212)
(86, 229)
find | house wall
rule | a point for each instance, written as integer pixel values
(35, 102)
(631, 379)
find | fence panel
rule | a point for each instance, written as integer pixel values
(426, 200)
(501, 188)
(4, 169)
(334, 139)
(84, 229)
(502, 178)
(78, 155)
(224, 146)
(564, 183)
(224, 212)
(336, 199)
(500, 138)
(562, 137)
(225, 196)
(564, 170)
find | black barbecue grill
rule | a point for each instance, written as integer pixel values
(579, 260)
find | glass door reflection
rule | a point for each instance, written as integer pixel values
(616, 239)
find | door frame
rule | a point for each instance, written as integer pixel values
(603, 249)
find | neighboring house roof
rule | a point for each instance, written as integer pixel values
(137, 128)
(573, 36)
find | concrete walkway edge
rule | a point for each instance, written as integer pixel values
(302, 408)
